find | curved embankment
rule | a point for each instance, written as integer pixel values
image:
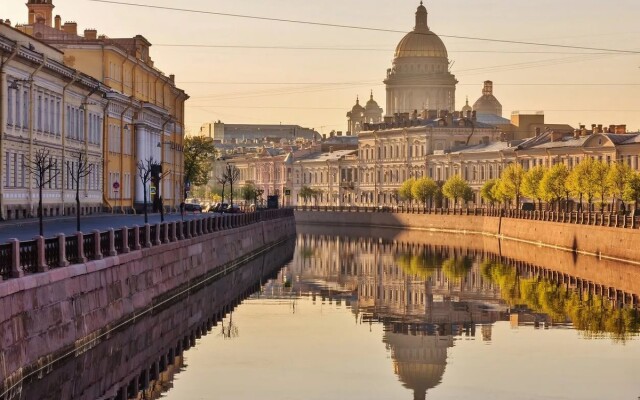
(55, 314)
(618, 244)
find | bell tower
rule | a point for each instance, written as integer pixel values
(40, 11)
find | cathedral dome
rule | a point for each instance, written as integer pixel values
(357, 108)
(421, 42)
(488, 103)
(372, 105)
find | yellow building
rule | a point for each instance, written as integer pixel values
(144, 118)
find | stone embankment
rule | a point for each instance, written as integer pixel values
(607, 242)
(56, 313)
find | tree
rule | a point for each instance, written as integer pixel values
(632, 189)
(455, 188)
(619, 174)
(579, 183)
(222, 180)
(487, 192)
(405, 192)
(250, 192)
(531, 184)
(78, 170)
(501, 194)
(145, 170)
(198, 152)
(306, 193)
(553, 185)
(512, 178)
(44, 170)
(231, 174)
(598, 178)
(423, 189)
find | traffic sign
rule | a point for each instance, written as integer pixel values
(287, 192)
(152, 190)
(116, 185)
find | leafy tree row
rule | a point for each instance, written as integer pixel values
(426, 190)
(590, 180)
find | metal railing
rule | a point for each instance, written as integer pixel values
(609, 219)
(20, 257)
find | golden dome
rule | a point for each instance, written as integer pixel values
(421, 42)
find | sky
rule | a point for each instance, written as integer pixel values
(243, 79)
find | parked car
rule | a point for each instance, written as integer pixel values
(219, 207)
(234, 209)
(192, 207)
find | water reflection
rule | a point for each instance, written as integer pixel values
(426, 295)
(140, 360)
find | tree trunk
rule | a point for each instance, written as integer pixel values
(144, 202)
(78, 208)
(40, 208)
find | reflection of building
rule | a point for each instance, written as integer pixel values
(418, 360)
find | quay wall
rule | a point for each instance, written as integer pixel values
(51, 315)
(602, 241)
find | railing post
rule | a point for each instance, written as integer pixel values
(194, 228)
(147, 235)
(96, 244)
(136, 237)
(41, 261)
(173, 237)
(16, 271)
(178, 230)
(156, 239)
(62, 250)
(80, 240)
(125, 239)
(112, 243)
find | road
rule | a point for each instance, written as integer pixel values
(27, 229)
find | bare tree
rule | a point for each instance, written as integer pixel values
(78, 170)
(223, 181)
(44, 170)
(161, 176)
(145, 169)
(231, 174)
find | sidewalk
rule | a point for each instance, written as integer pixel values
(26, 229)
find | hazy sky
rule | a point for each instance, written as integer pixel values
(315, 88)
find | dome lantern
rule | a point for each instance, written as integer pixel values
(421, 18)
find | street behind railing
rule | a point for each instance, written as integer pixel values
(18, 258)
(571, 217)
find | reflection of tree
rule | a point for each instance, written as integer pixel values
(593, 316)
(229, 331)
(457, 267)
(422, 263)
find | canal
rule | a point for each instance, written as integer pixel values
(383, 315)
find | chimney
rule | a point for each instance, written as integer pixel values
(468, 115)
(556, 136)
(70, 27)
(442, 114)
(90, 34)
(612, 128)
(576, 133)
(449, 117)
(339, 133)
(414, 115)
(7, 22)
(172, 78)
(432, 114)
(620, 129)
(599, 128)
(58, 22)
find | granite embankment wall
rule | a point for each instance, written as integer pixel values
(605, 242)
(48, 315)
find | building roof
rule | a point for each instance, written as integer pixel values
(421, 42)
(326, 156)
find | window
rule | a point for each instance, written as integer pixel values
(10, 107)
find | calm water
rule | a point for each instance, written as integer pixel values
(402, 315)
(381, 319)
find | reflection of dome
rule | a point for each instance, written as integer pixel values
(419, 361)
(487, 103)
(421, 42)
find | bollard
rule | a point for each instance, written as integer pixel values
(96, 244)
(112, 243)
(62, 250)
